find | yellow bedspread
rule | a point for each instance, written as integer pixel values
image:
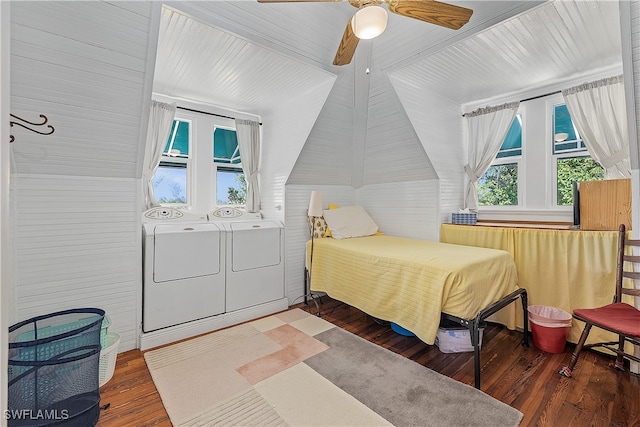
(410, 281)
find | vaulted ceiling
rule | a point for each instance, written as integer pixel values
(536, 42)
(250, 56)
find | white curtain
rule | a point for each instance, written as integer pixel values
(248, 133)
(160, 120)
(598, 111)
(485, 130)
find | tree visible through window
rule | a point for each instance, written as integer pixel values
(575, 169)
(499, 186)
(570, 167)
(230, 179)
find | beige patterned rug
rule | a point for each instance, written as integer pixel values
(296, 369)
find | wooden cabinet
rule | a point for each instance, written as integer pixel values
(604, 205)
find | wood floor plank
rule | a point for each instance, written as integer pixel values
(525, 378)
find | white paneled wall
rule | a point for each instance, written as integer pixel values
(88, 66)
(77, 245)
(438, 122)
(393, 151)
(406, 209)
(284, 131)
(83, 65)
(297, 229)
(634, 7)
(326, 156)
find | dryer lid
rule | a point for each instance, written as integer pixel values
(254, 225)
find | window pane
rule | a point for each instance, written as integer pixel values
(225, 146)
(572, 169)
(512, 145)
(499, 186)
(231, 186)
(170, 183)
(565, 135)
(178, 142)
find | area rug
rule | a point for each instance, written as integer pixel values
(296, 369)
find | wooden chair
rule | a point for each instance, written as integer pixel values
(618, 317)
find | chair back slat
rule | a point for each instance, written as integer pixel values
(632, 258)
(632, 292)
(626, 265)
(631, 275)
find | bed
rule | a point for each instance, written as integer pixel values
(417, 283)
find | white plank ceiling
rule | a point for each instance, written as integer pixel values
(560, 40)
(250, 57)
(246, 55)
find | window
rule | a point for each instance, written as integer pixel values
(572, 160)
(231, 186)
(170, 180)
(201, 166)
(565, 135)
(499, 185)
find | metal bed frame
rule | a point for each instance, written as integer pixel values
(474, 325)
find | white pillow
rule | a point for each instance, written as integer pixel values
(349, 221)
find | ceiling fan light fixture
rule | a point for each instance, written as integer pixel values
(369, 22)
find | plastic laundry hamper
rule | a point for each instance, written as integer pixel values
(549, 327)
(108, 357)
(53, 369)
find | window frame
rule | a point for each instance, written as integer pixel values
(518, 161)
(580, 151)
(581, 147)
(186, 161)
(201, 171)
(222, 165)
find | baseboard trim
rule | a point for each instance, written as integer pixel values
(171, 334)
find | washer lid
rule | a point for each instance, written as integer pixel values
(183, 250)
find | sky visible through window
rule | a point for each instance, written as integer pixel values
(170, 183)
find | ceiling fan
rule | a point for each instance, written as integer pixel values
(371, 19)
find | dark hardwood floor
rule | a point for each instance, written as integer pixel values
(525, 378)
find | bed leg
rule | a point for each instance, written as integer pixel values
(475, 337)
(525, 326)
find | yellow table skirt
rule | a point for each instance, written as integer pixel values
(566, 269)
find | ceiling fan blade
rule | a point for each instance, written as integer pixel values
(347, 46)
(433, 12)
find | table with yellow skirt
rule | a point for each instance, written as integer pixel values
(565, 269)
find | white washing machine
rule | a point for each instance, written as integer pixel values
(254, 257)
(184, 268)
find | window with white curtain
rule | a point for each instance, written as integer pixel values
(231, 186)
(499, 185)
(171, 178)
(538, 161)
(201, 167)
(571, 160)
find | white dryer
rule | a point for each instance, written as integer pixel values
(254, 258)
(183, 271)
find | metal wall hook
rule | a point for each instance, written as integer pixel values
(45, 120)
